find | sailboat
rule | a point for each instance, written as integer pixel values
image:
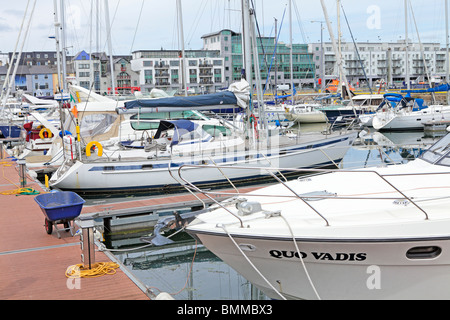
(406, 113)
(212, 148)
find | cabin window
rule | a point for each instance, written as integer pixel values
(143, 125)
(216, 131)
(429, 252)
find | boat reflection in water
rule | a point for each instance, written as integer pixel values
(189, 272)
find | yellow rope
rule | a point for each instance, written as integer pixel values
(18, 191)
(97, 270)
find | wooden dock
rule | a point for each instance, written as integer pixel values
(33, 263)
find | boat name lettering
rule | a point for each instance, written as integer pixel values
(319, 255)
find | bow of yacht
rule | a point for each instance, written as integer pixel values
(379, 233)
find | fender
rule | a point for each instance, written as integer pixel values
(90, 145)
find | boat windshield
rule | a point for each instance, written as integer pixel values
(439, 153)
(147, 121)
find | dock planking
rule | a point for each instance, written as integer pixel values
(33, 263)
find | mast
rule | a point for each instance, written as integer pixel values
(183, 62)
(13, 77)
(275, 58)
(258, 88)
(247, 69)
(338, 5)
(58, 49)
(408, 85)
(291, 63)
(7, 79)
(447, 66)
(339, 57)
(63, 44)
(108, 30)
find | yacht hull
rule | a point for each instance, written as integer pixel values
(118, 176)
(333, 269)
(408, 121)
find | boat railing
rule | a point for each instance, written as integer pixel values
(303, 174)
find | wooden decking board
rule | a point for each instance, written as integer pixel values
(33, 263)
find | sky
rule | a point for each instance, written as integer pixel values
(152, 24)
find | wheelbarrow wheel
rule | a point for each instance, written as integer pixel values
(67, 226)
(48, 226)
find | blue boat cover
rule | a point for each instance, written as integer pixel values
(441, 88)
(190, 102)
(396, 98)
(330, 96)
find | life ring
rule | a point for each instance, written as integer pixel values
(90, 145)
(42, 133)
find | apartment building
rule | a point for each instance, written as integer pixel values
(163, 69)
(274, 59)
(381, 61)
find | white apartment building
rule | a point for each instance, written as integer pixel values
(162, 69)
(382, 61)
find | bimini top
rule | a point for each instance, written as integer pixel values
(237, 94)
(397, 99)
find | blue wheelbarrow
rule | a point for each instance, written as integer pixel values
(60, 208)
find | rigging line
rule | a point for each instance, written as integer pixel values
(250, 262)
(356, 48)
(137, 26)
(260, 38)
(6, 83)
(197, 18)
(275, 50)
(305, 37)
(310, 60)
(301, 257)
(109, 28)
(422, 51)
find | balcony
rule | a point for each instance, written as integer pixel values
(206, 74)
(161, 66)
(162, 75)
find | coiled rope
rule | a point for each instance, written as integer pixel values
(99, 269)
(18, 190)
